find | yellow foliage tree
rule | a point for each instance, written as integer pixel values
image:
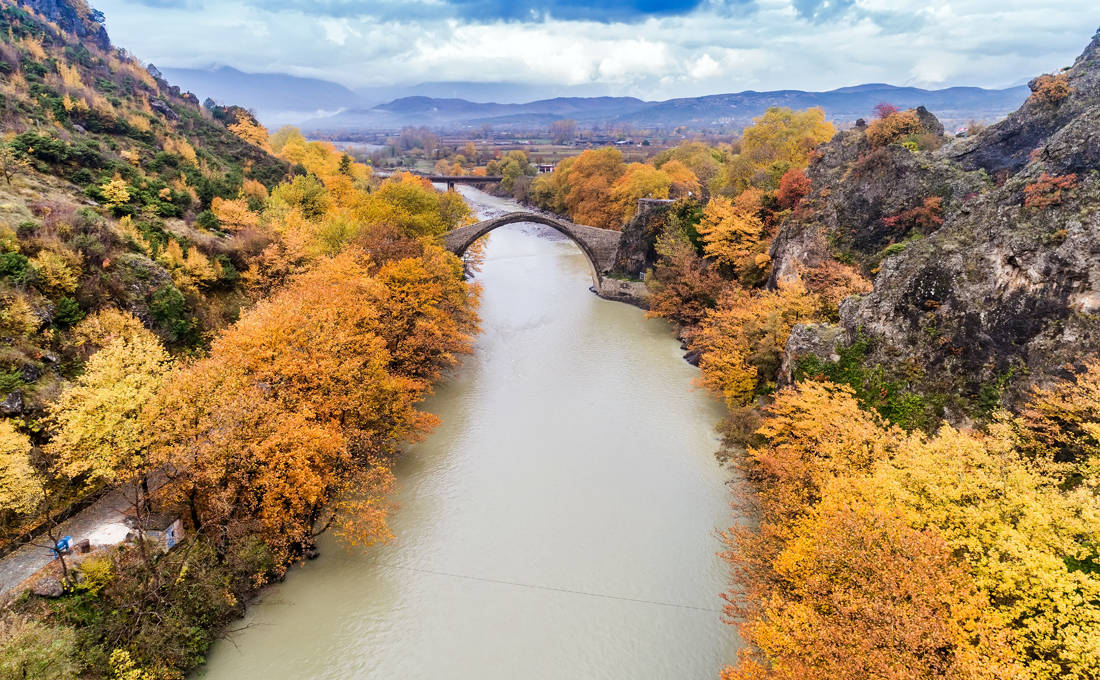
(97, 433)
(742, 340)
(17, 318)
(116, 191)
(733, 232)
(1030, 545)
(814, 432)
(58, 272)
(251, 132)
(590, 178)
(234, 215)
(864, 595)
(20, 486)
(779, 140)
(682, 181)
(639, 180)
(100, 328)
(1059, 428)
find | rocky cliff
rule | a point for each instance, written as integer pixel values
(985, 253)
(72, 16)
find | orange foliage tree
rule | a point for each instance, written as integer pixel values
(591, 177)
(741, 341)
(864, 595)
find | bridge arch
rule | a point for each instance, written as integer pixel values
(600, 246)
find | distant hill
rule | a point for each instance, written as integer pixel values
(500, 92)
(955, 106)
(458, 113)
(276, 98)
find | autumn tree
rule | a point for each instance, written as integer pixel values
(241, 462)
(562, 131)
(793, 187)
(411, 205)
(813, 433)
(705, 162)
(1059, 428)
(893, 126)
(590, 178)
(550, 190)
(234, 215)
(733, 231)
(425, 313)
(682, 181)
(779, 140)
(1027, 542)
(20, 487)
(741, 341)
(682, 285)
(864, 595)
(98, 435)
(639, 180)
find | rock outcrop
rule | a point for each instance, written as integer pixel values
(1065, 134)
(75, 17)
(638, 243)
(1003, 288)
(859, 192)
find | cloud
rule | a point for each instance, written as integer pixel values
(822, 10)
(641, 47)
(608, 11)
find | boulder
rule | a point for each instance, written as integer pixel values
(810, 339)
(48, 587)
(13, 404)
(162, 107)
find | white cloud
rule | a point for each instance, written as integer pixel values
(337, 31)
(931, 43)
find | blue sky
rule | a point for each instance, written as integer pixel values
(644, 48)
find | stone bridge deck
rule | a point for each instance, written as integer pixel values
(600, 246)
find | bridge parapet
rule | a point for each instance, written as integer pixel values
(599, 245)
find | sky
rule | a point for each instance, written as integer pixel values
(646, 48)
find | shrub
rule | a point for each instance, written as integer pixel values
(924, 218)
(793, 187)
(13, 265)
(1050, 89)
(888, 130)
(68, 312)
(96, 573)
(169, 308)
(57, 273)
(29, 649)
(1048, 190)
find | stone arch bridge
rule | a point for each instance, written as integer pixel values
(600, 246)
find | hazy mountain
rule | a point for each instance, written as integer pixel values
(458, 113)
(955, 106)
(502, 93)
(276, 98)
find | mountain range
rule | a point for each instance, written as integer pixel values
(323, 106)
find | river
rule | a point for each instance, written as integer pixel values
(559, 524)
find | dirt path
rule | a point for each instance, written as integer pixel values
(101, 523)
